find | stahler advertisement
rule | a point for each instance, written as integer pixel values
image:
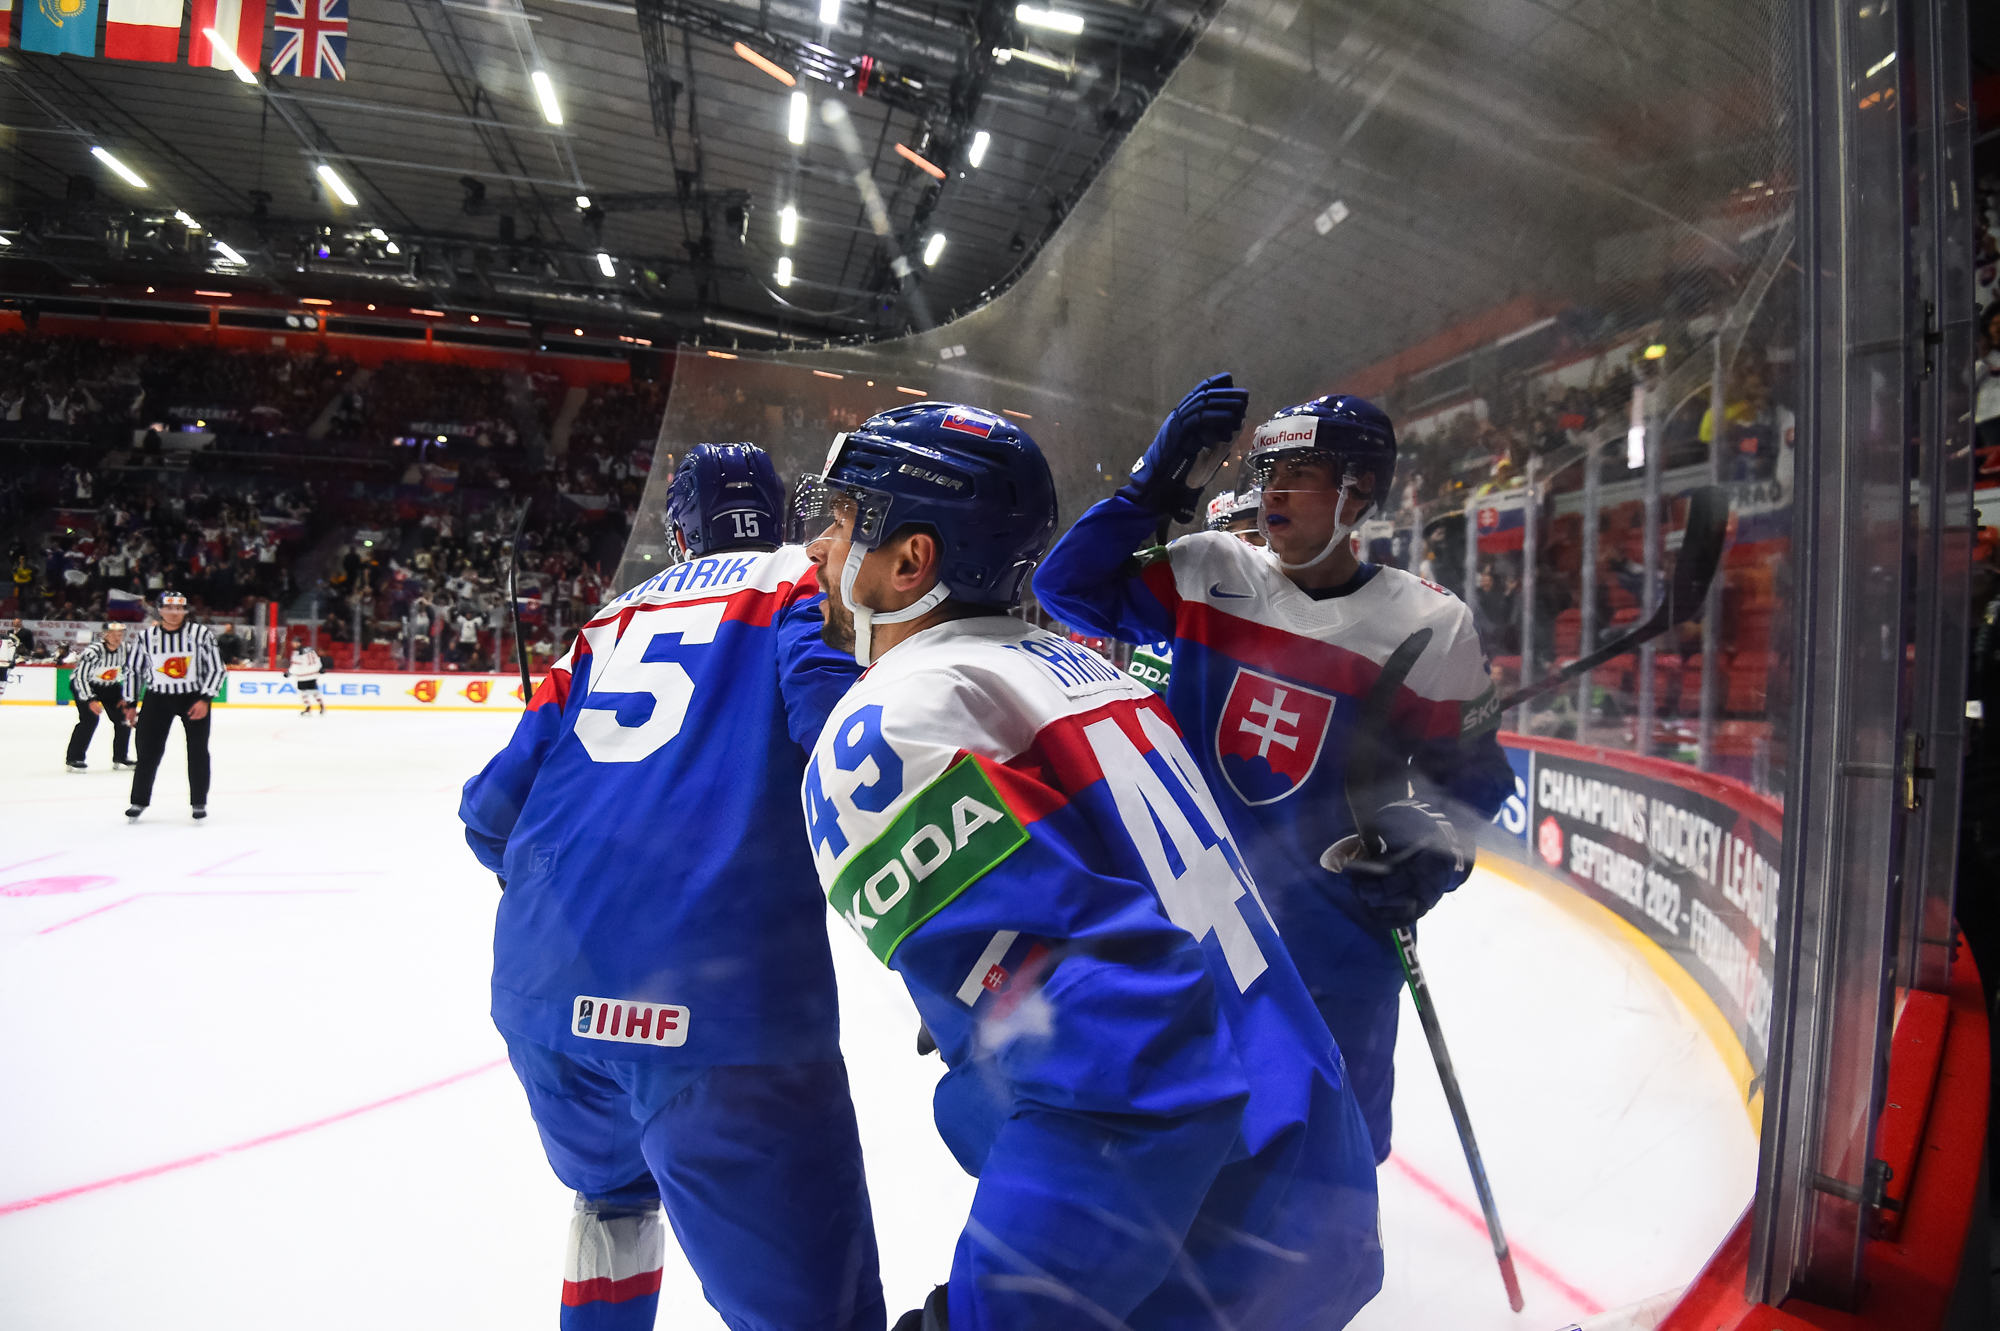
(1691, 862)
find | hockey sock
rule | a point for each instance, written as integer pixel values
(612, 1280)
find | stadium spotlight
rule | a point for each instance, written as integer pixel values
(231, 255)
(583, 203)
(546, 91)
(391, 248)
(788, 225)
(784, 270)
(125, 172)
(829, 12)
(933, 249)
(977, 153)
(336, 184)
(604, 265)
(1055, 20)
(180, 215)
(377, 233)
(795, 130)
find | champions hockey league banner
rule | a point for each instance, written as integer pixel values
(1688, 859)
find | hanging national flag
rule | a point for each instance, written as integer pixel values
(60, 27)
(6, 23)
(312, 39)
(240, 25)
(143, 30)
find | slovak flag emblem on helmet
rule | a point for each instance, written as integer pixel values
(1270, 736)
(967, 421)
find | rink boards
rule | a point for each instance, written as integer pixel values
(364, 690)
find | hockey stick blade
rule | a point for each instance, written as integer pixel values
(1687, 592)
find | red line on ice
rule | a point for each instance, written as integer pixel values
(138, 1175)
(1478, 1222)
(219, 892)
(9, 868)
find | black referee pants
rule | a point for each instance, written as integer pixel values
(113, 702)
(156, 719)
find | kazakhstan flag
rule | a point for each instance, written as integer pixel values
(59, 27)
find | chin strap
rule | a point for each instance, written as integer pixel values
(1341, 531)
(866, 619)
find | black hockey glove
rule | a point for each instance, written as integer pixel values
(935, 1315)
(1190, 448)
(1414, 859)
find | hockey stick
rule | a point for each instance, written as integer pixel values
(1364, 774)
(514, 601)
(1701, 552)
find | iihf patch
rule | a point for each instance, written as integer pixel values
(1270, 735)
(629, 1021)
(968, 421)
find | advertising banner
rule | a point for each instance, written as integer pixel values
(382, 692)
(31, 684)
(1688, 859)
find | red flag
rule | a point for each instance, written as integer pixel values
(240, 26)
(6, 23)
(143, 30)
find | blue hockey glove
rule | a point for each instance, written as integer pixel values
(1416, 857)
(1190, 448)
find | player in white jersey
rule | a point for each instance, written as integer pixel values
(11, 651)
(303, 671)
(1162, 1132)
(1274, 651)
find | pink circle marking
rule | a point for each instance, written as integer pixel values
(50, 887)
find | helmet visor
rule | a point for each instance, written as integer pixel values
(822, 507)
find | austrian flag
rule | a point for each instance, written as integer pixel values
(312, 39)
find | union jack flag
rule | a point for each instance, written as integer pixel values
(312, 39)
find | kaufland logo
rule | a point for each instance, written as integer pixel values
(1274, 433)
(629, 1021)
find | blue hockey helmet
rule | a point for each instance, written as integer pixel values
(974, 478)
(725, 496)
(1351, 434)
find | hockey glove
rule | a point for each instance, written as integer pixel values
(1190, 448)
(1414, 859)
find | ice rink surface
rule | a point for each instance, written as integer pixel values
(247, 1079)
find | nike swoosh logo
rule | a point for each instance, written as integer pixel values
(1216, 590)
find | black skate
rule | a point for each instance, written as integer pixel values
(77, 767)
(132, 814)
(200, 812)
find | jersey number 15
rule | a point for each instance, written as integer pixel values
(639, 690)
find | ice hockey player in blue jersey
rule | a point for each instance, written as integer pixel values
(1160, 1124)
(1273, 651)
(660, 961)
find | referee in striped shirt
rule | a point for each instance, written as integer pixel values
(101, 685)
(181, 668)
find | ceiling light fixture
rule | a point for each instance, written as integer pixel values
(546, 91)
(230, 255)
(795, 128)
(604, 265)
(909, 155)
(933, 249)
(828, 374)
(392, 248)
(186, 221)
(337, 185)
(784, 273)
(977, 152)
(125, 172)
(722, 355)
(775, 70)
(913, 392)
(1052, 19)
(377, 233)
(220, 45)
(829, 12)
(788, 225)
(583, 203)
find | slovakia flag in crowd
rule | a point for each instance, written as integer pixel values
(312, 39)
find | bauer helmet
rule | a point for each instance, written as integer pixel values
(724, 497)
(975, 479)
(1352, 437)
